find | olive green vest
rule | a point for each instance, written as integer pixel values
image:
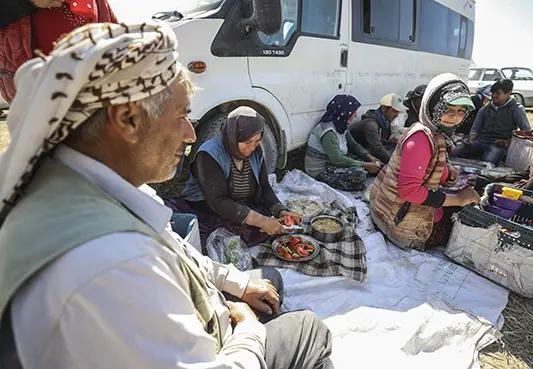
(62, 210)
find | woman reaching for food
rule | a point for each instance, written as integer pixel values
(406, 199)
(333, 156)
(229, 188)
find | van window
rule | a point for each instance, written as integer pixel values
(425, 25)
(475, 74)
(407, 20)
(434, 28)
(289, 25)
(492, 75)
(393, 20)
(454, 33)
(321, 17)
(469, 40)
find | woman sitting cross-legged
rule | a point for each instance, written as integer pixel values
(333, 156)
(229, 188)
(407, 200)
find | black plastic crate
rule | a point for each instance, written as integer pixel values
(514, 231)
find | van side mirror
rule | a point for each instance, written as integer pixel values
(266, 17)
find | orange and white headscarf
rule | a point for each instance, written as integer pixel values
(92, 67)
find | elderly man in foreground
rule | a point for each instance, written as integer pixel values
(91, 275)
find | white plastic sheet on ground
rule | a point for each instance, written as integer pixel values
(416, 310)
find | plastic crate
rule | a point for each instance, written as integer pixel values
(514, 231)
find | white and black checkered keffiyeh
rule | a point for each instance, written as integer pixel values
(346, 257)
(92, 67)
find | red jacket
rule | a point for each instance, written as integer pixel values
(16, 44)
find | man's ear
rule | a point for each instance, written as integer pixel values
(125, 120)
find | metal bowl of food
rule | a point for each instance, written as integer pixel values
(327, 229)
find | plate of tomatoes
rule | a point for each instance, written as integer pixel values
(295, 248)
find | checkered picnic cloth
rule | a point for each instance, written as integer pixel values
(346, 257)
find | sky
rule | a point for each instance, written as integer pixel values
(504, 33)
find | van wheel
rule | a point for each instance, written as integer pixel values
(519, 99)
(211, 128)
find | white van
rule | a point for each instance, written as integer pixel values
(288, 58)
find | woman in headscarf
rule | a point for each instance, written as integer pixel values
(406, 200)
(229, 188)
(333, 156)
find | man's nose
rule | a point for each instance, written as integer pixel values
(189, 135)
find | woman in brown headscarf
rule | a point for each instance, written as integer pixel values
(228, 187)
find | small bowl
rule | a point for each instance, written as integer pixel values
(505, 203)
(504, 213)
(327, 237)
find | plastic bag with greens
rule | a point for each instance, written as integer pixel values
(226, 248)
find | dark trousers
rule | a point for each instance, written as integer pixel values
(486, 151)
(295, 340)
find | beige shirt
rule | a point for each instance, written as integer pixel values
(121, 301)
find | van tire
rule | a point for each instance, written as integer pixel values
(519, 99)
(211, 128)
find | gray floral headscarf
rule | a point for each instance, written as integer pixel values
(441, 91)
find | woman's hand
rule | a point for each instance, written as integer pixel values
(271, 226)
(297, 217)
(44, 4)
(453, 177)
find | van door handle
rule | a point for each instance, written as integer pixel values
(344, 58)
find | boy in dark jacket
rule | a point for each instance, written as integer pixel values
(493, 128)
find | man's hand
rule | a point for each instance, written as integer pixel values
(502, 143)
(262, 296)
(44, 4)
(471, 140)
(372, 168)
(239, 312)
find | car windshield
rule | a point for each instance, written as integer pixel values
(518, 73)
(195, 6)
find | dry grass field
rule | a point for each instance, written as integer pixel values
(514, 351)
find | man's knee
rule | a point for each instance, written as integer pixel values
(314, 328)
(494, 154)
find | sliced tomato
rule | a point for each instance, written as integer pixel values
(289, 221)
(301, 251)
(279, 250)
(293, 241)
(287, 256)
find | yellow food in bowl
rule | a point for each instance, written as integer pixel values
(327, 226)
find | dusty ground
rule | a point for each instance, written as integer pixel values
(515, 351)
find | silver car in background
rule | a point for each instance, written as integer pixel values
(3, 107)
(521, 77)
